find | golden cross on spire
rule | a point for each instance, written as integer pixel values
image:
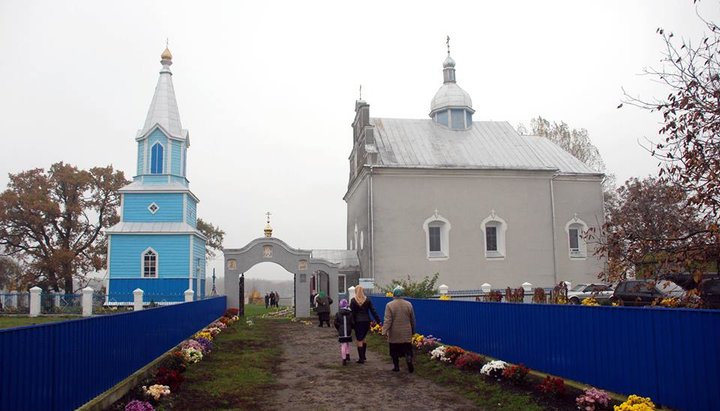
(448, 44)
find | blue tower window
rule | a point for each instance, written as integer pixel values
(156, 161)
(150, 264)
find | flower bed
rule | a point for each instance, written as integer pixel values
(550, 392)
(167, 378)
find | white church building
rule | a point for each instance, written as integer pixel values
(470, 199)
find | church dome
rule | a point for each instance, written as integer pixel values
(449, 62)
(450, 95)
(166, 55)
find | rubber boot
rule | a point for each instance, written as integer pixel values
(364, 349)
(361, 357)
(396, 364)
(409, 361)
(347, 359)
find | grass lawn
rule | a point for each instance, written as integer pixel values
(19, 321)
(486, 394)
(239, 372)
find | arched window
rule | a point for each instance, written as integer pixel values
(150, 263)
(437, 237)
(494, 229)
(577, 247)
(156, 159)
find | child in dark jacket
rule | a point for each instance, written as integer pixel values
(344, 325)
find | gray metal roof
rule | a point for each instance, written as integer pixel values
(163, 108)
(450, 95)
(152, 228)
(487, 145)
(344, 258)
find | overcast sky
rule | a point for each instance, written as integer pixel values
(267, 89)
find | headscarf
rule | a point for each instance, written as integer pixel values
(398, 291)
(360, 294)
(322, 294)
(343, 303)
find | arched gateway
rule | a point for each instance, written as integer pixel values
(332, 271)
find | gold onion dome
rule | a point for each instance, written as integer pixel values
(268, 230)
(166, 55)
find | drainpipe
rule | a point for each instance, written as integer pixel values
(554, 239)
(372, 226)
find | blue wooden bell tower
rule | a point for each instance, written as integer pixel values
(156, 246)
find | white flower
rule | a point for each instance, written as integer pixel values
(438, 353)
(496, 365)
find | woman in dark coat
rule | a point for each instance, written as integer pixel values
(361, 308)
(323, 308)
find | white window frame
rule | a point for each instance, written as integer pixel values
(142, 263)
(342, 280)
(501, 227)
(150, 208)
(581, 252)
(436, 220)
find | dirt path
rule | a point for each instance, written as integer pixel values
(312, 377)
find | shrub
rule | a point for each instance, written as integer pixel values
(514, 296)
(452, 353)
(470, 362)
(171, 378)
(593, 399)
(424, 288)
(636, 403)
(552, 386)
(427, 343)
(494, 296)
(517, 374)
(539, 296)
(137, 405)
(231, 312)
(175, 361)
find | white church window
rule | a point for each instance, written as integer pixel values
(342, 289)
(494, 229)
(577, 247)
(362, 239)
(437, 237)
(150, 263)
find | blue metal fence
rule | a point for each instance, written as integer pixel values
(60, 366)
(670, 355)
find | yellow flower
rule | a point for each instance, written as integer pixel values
(636, 403)
(388, 294)
(444, 297)
(590, 301)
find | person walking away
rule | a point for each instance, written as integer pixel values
(272, 299)
(344, 325)
(399, 327)
(277, 299)
(267, 300)
(362, 308)
(323, 308)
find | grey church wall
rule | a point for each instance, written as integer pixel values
(404, 200)
(585, 198)
(358, 213)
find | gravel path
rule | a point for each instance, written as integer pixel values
(312, 377)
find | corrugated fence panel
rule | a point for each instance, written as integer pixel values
(670, 355)
(60, 366)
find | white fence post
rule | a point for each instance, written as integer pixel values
(351, 293)
(443, 291)
(138, 299)
(189, 294)
(56, 299)
(486, 288)
(87, 296)
(527, 287)
(35, 301)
